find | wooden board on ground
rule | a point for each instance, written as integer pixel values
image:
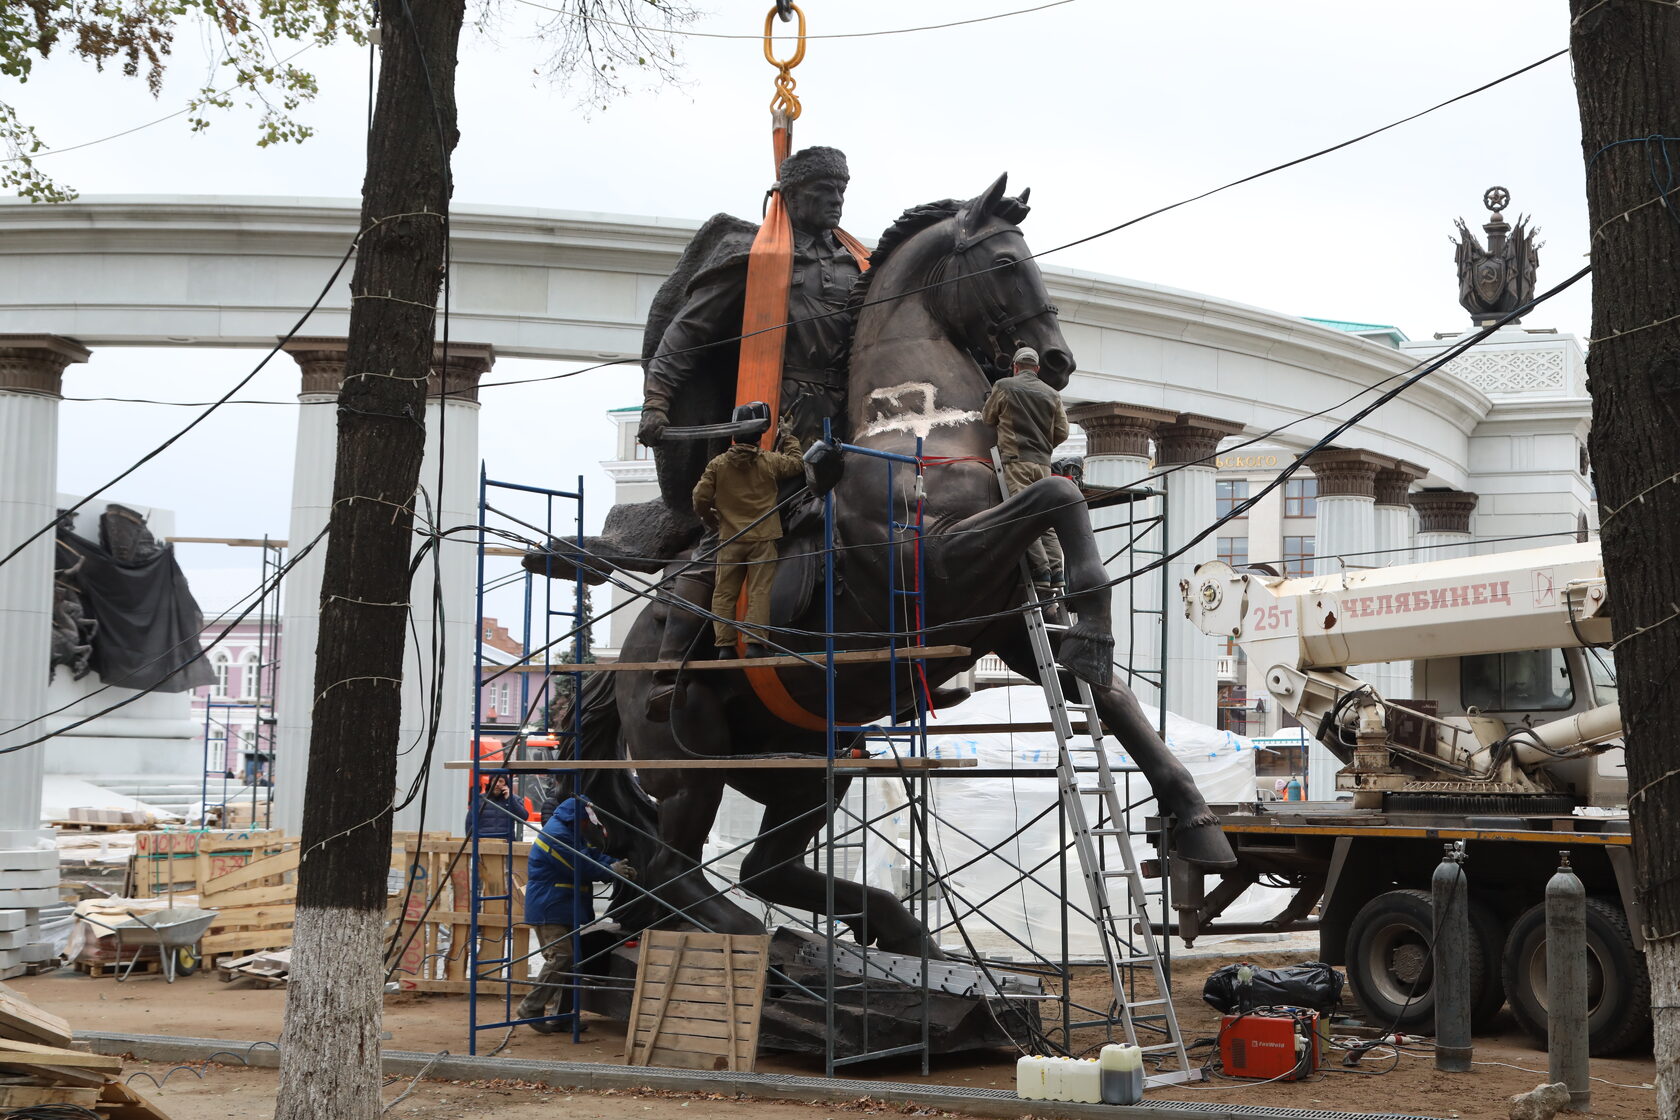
(22, 1020)
(120, 1102)
(698, 1000)
(31, 1096)
(29, 1054)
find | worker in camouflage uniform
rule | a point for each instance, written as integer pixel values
(1030, 422)
(732, 498)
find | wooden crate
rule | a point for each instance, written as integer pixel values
(179, 861)
(430, 924)
(698, 1000)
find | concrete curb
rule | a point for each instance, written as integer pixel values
(764, 1086)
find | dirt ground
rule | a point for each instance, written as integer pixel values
(202, 1006)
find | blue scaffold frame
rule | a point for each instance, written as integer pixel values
(507, 959)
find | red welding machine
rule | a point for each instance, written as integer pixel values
(1270, 1047)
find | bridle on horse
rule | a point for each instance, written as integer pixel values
(1000, 323)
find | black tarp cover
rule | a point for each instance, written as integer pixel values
(148, 620)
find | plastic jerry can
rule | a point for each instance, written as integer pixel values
(1122, 1074)
(1030, 1078)
(1083, 1081)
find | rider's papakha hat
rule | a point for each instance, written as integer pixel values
(811, 164)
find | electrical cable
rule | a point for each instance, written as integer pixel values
(756, 38)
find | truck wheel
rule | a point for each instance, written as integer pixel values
(1389, 965)
(1489, 936)
(1618, 987)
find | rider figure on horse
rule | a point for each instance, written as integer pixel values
(813, 186)
(813, 389)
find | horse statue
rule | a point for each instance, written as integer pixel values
(952, 287)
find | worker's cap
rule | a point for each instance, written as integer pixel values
(1026, 356)
(810, 164)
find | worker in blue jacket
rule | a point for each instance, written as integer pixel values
(496, 814)
(566, 859)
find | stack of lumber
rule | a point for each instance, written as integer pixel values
(40, 1066)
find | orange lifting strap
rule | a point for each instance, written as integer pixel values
(764, 325)
(770, 264)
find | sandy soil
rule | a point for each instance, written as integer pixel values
(202, 1006)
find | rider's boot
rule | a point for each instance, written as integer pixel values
(683, 625)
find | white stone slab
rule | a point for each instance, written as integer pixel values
(36, 951)
(30, 859)
(26, 880)
(16, 919)
(28, 898)
(14, 938)
(10, 958)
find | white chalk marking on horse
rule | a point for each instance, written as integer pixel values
(918, 423)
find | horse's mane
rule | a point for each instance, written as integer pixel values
(910, 223)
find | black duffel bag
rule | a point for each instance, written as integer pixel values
(1239, 988)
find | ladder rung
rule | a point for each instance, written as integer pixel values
(1110, 832)
(1145, 1003)
(1159, 1046)
(1096, 789)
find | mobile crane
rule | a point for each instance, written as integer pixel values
(1510, 741)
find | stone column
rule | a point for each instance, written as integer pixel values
(314, 463)
(1443, 524)
(1189, 444)
(1117, 454)
(1394, 542)
(1347, 523)
(452, 436)
(31, 375)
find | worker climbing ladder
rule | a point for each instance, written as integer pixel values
(1097, 847)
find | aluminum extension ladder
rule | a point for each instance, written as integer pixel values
(1087, 758)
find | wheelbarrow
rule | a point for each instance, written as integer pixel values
(175, 932)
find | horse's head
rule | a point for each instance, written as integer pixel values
(993, 299)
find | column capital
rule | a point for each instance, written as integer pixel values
(1112, 428)
(322, 363)
(457, 378)
(1444, 511)
(35, 363)
(1393, 483)
(1192, 438)
(1346, 472)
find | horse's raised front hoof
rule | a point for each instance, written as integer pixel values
(1087, 651)
(1204, 844)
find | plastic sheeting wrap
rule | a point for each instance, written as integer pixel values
(1003, 911)
(999, 910)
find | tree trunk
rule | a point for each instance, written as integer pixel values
(1626, 57)
(330, 1047)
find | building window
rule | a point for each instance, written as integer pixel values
(640, 450)
(1300, 497)
(251, 678)
(502, 703)
(1298, 553)
(1229, 493)
(1233, 709)
(1234, 551)
(221, 664)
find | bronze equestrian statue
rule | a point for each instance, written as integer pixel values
(951, 292)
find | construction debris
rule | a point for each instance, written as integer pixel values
(39, 1065)
(260, 970)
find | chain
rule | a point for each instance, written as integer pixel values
(784, 104)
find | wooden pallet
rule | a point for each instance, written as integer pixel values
(698, 1000)
(97, 826)
(145, 966)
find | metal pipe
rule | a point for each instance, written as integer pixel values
(1566, 984)
(1452, 981)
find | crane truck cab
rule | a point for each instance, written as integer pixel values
(1507, 736)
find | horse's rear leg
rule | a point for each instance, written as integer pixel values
(1197, 836)
(686, 812)
(774, 871)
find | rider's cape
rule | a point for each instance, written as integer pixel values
(719, 250)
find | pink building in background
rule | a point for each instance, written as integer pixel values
(236, 712)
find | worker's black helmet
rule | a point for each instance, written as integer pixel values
(756, 413)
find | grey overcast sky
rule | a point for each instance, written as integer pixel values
(1105, 108)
